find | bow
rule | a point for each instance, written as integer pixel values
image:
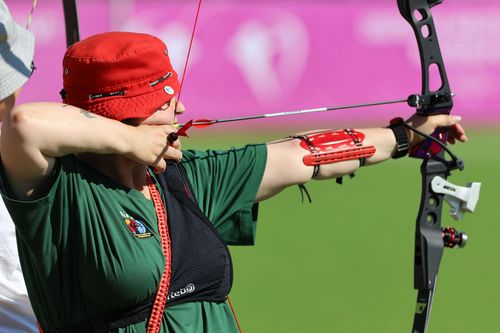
(71, 22)
(430, 237)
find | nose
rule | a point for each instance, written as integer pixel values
(179, 108)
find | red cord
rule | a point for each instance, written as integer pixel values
(40, 329)
(158, 311)
(234, 314)
(156, 316)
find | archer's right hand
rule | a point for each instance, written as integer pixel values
(149, 146)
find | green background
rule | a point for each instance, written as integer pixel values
(345, 262)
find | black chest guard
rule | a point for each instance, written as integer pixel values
(201, 263)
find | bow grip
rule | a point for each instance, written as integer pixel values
(427, 148)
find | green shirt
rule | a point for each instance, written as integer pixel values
(80, 259)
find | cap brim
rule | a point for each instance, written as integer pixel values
(15, 62)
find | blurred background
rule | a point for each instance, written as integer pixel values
(345, 262)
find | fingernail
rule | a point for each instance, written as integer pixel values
(457, 118)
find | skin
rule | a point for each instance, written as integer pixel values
(35, 134)
(8, 103)
(284, 166)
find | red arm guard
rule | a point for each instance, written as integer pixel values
(335, 146)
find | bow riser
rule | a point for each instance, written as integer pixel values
(429, 245)
(418, 15)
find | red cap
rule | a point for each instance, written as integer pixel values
(119, 75)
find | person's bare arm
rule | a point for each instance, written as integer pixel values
(285, 165)
(34, 134)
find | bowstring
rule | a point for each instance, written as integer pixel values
(179, 98)
(188, 53)
(33, 6)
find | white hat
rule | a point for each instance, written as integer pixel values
(17, 46)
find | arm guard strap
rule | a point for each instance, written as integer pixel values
(334, 146)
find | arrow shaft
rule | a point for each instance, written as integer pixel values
(297, 112)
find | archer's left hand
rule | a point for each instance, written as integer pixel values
(428, 125)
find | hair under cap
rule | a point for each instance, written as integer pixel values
(119, 75)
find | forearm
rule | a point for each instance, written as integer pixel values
(33, 135)
(286, 165)
(56, 129)
(382, 139)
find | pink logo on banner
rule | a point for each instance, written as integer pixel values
(271, 53)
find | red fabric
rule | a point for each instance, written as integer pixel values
(131, 63)
(156, 316)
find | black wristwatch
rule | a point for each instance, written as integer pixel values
(402, 144)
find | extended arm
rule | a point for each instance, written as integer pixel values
(285, 165)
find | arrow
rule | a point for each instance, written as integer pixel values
(202, 123)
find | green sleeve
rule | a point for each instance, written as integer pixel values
(225, 184)
(33, 217)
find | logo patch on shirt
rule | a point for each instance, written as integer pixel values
(190, 288)
(136, 227)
